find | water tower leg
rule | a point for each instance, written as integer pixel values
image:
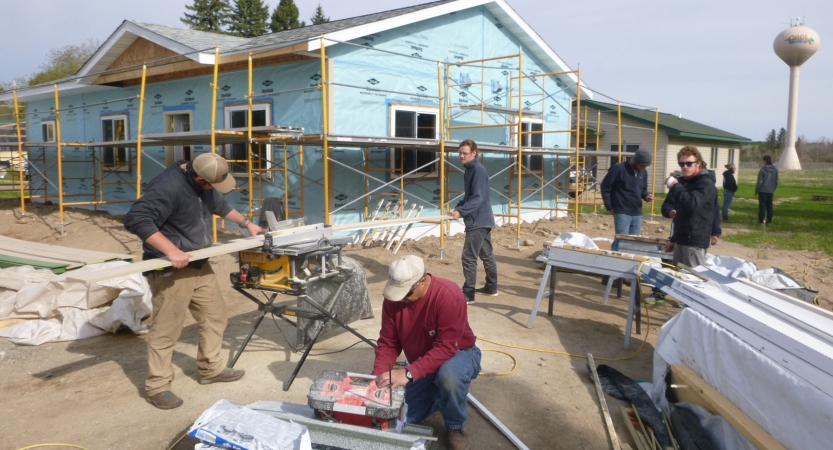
(789, 159)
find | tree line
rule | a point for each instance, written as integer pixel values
(246, 18)
(774, 143)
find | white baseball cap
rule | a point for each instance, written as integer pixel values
(403, 274)
(213, 168)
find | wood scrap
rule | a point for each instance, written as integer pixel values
(636, 435)
(611, 432)
(693, 389)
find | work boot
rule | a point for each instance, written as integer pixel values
(457, 439)
(164, 400)
(226, 376)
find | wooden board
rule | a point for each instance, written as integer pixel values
(610, 253)
(648, 239)
(58, 252)
(231, 247)
(693, 389)
(611, 432)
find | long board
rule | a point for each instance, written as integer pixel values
(285, 236)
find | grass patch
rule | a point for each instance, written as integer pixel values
(798, 223)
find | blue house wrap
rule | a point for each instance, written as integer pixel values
(385, 73)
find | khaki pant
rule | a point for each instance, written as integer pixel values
(181, 290)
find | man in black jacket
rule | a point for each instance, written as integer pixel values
(624, 187)
(476, 211)
(730, 186)
(172, 218)
(694, 197)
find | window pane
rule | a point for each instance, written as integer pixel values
(238, 153)
(404, 124)
(122, 156)
(259, 118)
(107, 156)
(424, 157)
(118, 125)
(426, 126)
(536, 162)
(238, 119)
(525, 139)
(107, 130)
(537, 139)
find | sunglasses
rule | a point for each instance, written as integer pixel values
(413, 288)
(687, 163)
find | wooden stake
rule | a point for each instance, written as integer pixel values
(611, 432)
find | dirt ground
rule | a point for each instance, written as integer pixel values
(89, 392)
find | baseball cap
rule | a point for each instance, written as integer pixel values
(402, 275)
(213, 168)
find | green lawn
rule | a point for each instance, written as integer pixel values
(798, 222)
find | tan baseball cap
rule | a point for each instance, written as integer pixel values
(402, 276)
(213, 168)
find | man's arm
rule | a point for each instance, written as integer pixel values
(388, 346)
(647, 196)
(758, 183)
(668, 205)
(691, 200)
(716, 229)
(480, 183)
(607, 185)
(146, 216)
(236, 217)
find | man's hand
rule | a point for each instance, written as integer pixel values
(669, 247)
(649, 198)
(179, 259)
(611, 212)
(715, 240)
(398, 376)
(455, 214)
(673, 213)
(254, 229)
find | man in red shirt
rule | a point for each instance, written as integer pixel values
(425, 316)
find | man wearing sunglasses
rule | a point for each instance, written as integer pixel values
(172, 218)
(426, 317)
(692, 203)
(624, 187)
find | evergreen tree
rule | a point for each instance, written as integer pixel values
(782, 138)
(285, 17)
(319, 16)
(249, 18)
(771, 141)
(208, 15)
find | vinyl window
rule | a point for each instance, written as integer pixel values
(115, 159)
(237, 117)
(416, 123)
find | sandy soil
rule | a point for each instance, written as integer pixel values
(89, 392)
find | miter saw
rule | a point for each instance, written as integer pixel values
(306, 262)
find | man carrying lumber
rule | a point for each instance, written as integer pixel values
(476, 211)
(173, 217)
(692, 203)
(426, 316)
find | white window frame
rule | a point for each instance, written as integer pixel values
(48, 123)
(714, 157)
(263, 106)
(115, 152)
(433, 173)
(527, 123)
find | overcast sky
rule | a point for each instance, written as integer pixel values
(711, 61)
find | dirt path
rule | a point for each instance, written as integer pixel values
(89, 392)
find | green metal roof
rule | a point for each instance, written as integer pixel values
(671, 124)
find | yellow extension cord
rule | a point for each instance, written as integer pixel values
(558, 352)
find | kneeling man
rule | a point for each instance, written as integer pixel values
(426, 316)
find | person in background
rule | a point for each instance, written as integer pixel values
(730, 186)
(692, 203)
(624, 187)
(765, 190)
(426, 317)
(476, 211)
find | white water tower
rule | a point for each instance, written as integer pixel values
(794, 46)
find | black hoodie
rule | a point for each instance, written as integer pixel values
(729, 182)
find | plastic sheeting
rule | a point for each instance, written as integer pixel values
(227, 425)
(577, 239)
(65, 311)
(794, 412)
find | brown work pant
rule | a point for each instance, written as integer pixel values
(181, 290)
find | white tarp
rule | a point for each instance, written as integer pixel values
(577, 239)
(791, 410)
(65, 311)
(731, 266)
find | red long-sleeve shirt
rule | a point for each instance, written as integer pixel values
(429, 330)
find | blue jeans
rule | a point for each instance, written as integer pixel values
(625, 224)
(444, 390)
(728, 196)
